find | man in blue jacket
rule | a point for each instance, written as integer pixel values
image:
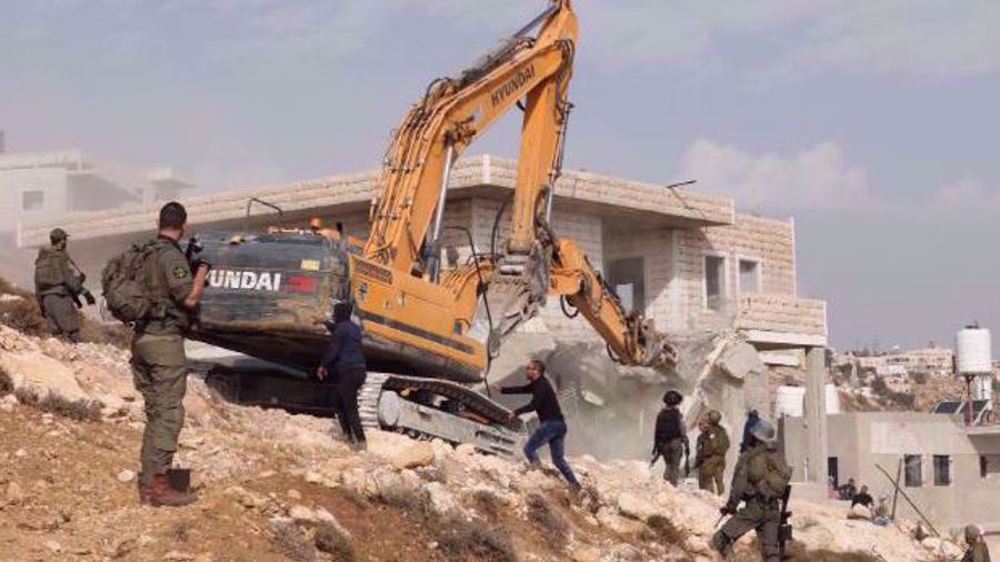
(553, 426)
(344, 364)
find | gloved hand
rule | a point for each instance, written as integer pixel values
(196, 264)
(89, 297)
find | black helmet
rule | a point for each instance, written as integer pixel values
(672, 398)
(57, 235)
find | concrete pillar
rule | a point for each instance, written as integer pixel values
(815, 412)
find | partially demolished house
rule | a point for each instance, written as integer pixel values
(686, 258)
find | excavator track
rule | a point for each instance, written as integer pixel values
(438, 409)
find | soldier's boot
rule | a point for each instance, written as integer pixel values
(143, 490)
(161, 494)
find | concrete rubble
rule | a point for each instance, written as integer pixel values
(626, 511)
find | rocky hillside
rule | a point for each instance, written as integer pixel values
(276, 486)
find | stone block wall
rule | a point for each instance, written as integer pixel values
(769, 242)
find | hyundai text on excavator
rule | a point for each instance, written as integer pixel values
(429, 331)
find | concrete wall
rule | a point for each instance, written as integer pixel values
(861, 440)
(50, 181)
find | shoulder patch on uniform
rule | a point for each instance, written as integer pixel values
(180, 272)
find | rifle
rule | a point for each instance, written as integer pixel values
(191, 252)
(657, 453)
(84, 292)
(785, 529)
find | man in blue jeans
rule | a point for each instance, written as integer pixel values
(553, 426)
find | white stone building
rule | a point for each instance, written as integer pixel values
(35, 186)
(686, 258)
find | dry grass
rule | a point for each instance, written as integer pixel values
(413, 501)
(293, 543)
(25, 316)
(180, 531)
(76, 410)
(664, 531)
(459, 539)
(334, 542)
(547, 519)
(797, 552)
(6, 383)
(486, 503)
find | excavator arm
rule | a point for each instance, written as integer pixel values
(631, 339)
(453, 113)
(396, 278)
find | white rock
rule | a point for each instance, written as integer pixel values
(39, 373)
(20, 453)
(302, 513)
(294, 494)
(637, 507)
(946, 548)
(326, 517)
(178, 555)
(126, 476)
(441, 499)
(14, 492)
(53, 546)
(465, 450)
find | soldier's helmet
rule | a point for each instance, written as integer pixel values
(57, 235)
(972, 533)
(714, 416)
(764, 431)
(672, 398)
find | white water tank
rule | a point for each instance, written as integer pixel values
(973, 351)
(832, 399)
(790, 401)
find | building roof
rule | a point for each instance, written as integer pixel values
(483, 175)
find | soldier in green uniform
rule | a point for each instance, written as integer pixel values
(977, 551)
(56, 283)
(159, 365)
(710, 455)
(759, 482)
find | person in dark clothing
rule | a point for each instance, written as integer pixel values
(752, 418)
(863, 497)
(552, 429)
(344, 364)
(670, 439)
(849, 490)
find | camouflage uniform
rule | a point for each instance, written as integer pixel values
(977, 553)
(710, 458)
(55, 285)
(159, 365)
(760, 471)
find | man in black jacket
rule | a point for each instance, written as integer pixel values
(344, 363)
(552, 429)
(670, 439)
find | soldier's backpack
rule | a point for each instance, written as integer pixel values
(768, 473)
(47, 272)
(125, 285)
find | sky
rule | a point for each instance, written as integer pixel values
(874, 123)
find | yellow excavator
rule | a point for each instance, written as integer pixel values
(429, 330)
